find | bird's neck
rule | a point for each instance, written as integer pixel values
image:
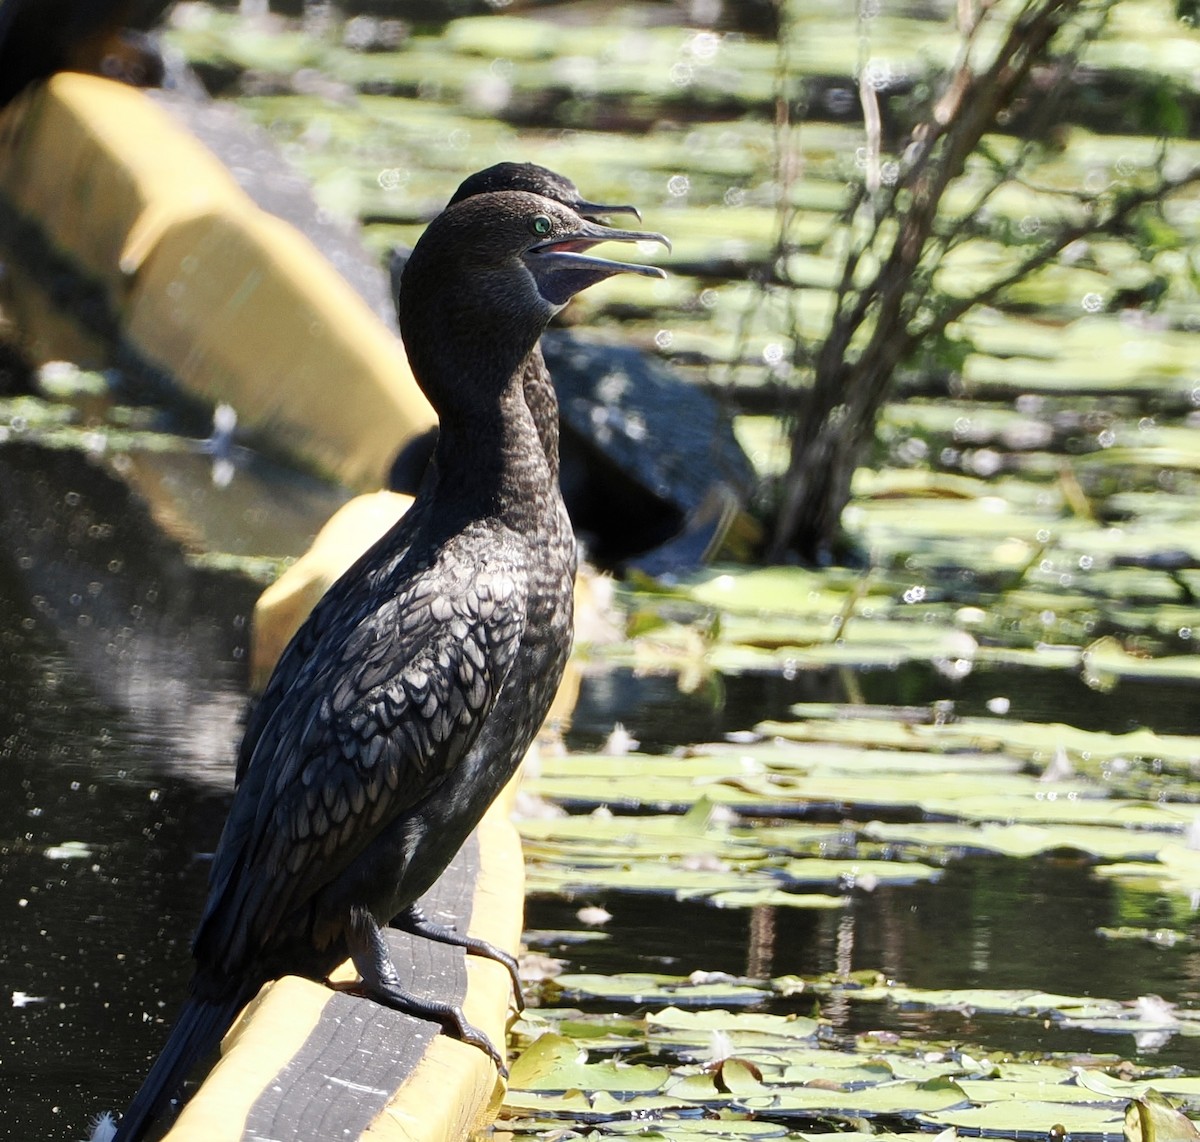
(542, 402)
(492, 460)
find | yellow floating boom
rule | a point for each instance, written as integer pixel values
(122, 234)
(230, 302)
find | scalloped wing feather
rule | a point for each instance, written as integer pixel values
(382, 725)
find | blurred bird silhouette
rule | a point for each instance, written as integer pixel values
(40, 37)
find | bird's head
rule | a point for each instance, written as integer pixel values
(490, 271)
(556, 251)
(535, 179)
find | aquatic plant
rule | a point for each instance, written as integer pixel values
(918, 202)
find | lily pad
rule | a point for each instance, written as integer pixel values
(1009, 1119)
(697, 1027)
(552, 1063)
(647, 988)
(895, 1099)
(1151, 1118)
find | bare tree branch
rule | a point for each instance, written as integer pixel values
(877, 323)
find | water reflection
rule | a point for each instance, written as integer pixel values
(148, 635)
(121, 688)
(662, 717)
(987, 923)
(120, 694)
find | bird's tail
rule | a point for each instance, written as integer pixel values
(197, 1031)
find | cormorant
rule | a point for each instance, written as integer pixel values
(649, 508)
(365, 768)
(409, 464)
(536, 180)
(413, 460)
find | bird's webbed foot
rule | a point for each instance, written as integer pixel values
(414, 921)
(380, 982)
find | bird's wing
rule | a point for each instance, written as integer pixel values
(356, 744)
(347, 602)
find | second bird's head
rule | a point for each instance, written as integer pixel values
(491, 271)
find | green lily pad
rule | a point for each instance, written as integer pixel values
(1010, 1119)
(589, 1106)
(850, 874)
(698, 1026)
(1001, 1002)
(1151, 1118)
(647, 988)
(1096, 841)
(552, 1063)
(671, 1127)
(897, 1099)
(772, 898)
(985, 1091)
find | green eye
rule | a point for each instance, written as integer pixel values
(541, 224)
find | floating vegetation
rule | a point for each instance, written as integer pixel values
(1023, 595)
(752, 1069)
(840, 801)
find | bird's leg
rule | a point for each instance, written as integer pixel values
(414, 921)
(380, 982)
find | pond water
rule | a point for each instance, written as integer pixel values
(120, 697)
(991, 922)
(122, 663)
(987, 923)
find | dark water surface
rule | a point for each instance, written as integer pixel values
(990, 923)
(122, 687)
(120, 696)
(121, 693)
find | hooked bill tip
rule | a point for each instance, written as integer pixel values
(590, 209)
(638, 236)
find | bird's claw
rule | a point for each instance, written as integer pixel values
(467, 1032)
(414, 921)
(450, 1015)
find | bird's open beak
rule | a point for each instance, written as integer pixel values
(593, 210)
(562, 266)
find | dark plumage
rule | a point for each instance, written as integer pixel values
(407, 700)
(539, 388)
(535, 180)
(652, 508)
(40, 37)
(539, 394)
